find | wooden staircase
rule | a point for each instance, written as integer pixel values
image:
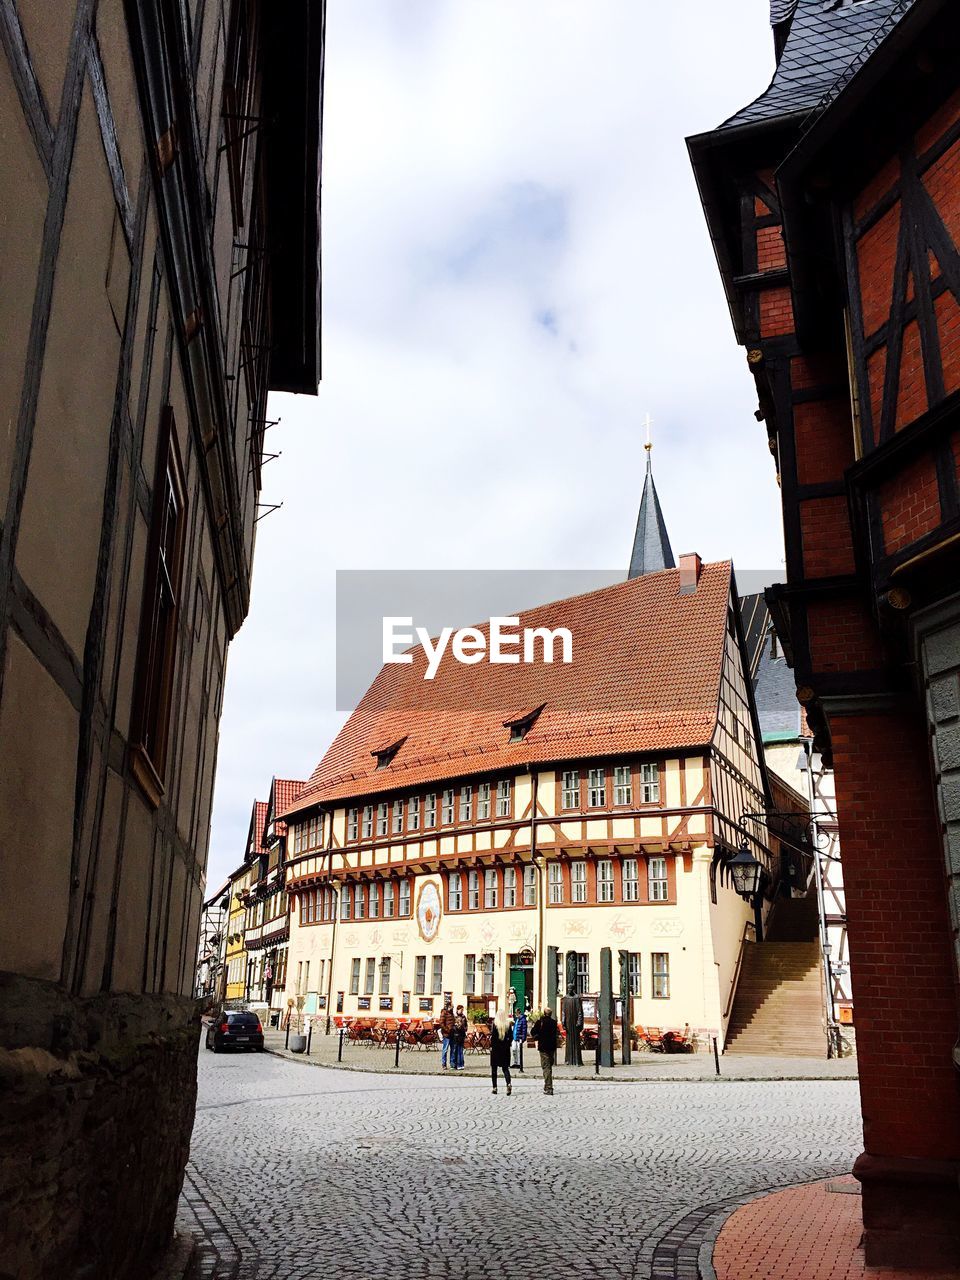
(778, 1009)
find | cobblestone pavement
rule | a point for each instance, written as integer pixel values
(645, 1065)
(299, 1173)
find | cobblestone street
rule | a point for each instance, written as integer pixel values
(299, 1173)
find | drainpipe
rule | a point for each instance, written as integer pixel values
(538, 863)
(335, 914)
(832, 1029)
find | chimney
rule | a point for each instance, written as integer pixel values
(690, 566)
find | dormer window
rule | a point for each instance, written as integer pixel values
(386, 754)
(521, 724)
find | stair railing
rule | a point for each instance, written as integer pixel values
(747, 928)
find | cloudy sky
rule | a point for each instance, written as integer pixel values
(515, 269)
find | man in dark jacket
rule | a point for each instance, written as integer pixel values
(545, 1032)
(446, 1028)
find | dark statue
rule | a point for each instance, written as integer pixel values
(572, 1015)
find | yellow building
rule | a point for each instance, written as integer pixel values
(487, 833)
(235, 957)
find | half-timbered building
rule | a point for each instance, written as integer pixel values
(267, 922)
(833, 203)
(159, 235)
(465, 837)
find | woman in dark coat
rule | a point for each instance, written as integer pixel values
(501, 1034)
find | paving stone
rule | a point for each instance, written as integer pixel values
(296, 1173)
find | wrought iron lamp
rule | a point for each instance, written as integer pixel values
(746, 872)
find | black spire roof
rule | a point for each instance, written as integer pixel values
(826, 42)
(651, 544)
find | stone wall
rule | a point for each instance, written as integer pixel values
(97, 1100)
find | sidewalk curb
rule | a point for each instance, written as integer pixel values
(304, 1061)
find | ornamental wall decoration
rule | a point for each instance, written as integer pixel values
(429, 910)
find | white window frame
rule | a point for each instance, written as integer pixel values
(570, 789)
(470, 975)
(346, 902)
(597, 789)
(578, 880)
(355, 976)
(465, 810)
(491, 889)
(583, 972)
(483, 801)
(509, 886)
(420, 976)
(635, 971)
(650, 783)
(404, 897)
(398, 817)
(555, 882)
(385, 966)
(353, 823)
(504, 799)
(455, 891)
(359, 903)
(373, 900)
(605, 880)
(370, 976)
(383, 817)
(473, 890)
(430, 809)
(367, 827)
(448, 807)
(530, 885)
(631, 879)
(488, 975)
(388, 900)
(622, 785)
(413, 813)
(660, 975)
(658, 887)
(436, 976)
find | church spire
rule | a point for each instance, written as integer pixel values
(651, 544)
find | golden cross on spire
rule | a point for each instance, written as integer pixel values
(648, 423)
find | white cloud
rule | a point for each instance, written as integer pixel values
(516, 267)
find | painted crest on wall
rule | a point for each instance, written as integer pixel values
(429, 910)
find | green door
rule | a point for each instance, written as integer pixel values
(518, 980)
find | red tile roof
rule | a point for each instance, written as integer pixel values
(282, 795)
(257, 820)
(645, 676)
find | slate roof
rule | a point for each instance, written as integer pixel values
(651, 543)
(775, 692)
(645, 677)
(780, 10)
(828, 38)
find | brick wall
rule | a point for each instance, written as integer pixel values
(909, 504)
(843, 636)
(899, 932)
(827, 541)
(824, 440)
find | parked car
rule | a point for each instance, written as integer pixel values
(235, 1030)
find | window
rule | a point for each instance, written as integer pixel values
(420, 977)
(578, 877)
(491, 889)
(367, 821)
(359, 902)
(530, 886)
(504, 799)
(555, 881)
(473, 890)
(382, 818)
(570, 793)
(488, 974)
(404, 897)
(448, 806)
(657, 879)
(510, 886)
(156, 652)
(622, 786)
(413, 813)
(355, 977)
(430, 810)
(397, 817)
(346, 902)
(436, 976)
(631, 880)
(634, 973)
(239, 104)
(661, 975)
(455, 891)
(388, 899)
(605, 880)
(650, 783)
(385, 965)
(469, 975)
(597, 788)
(583, 973)
(483, 800)
(368, 977)
(373, 900)
(466, 804)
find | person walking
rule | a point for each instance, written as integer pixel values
(519, 1038)
(446, 1030)
(500, 1039)
(458, 1036)
(546, 1033)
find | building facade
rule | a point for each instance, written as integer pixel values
(235, 954)
(482, 840)
(160, 276)
(834, 209)
(211, 949)
(267, 914)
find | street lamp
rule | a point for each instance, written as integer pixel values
(746, 872)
